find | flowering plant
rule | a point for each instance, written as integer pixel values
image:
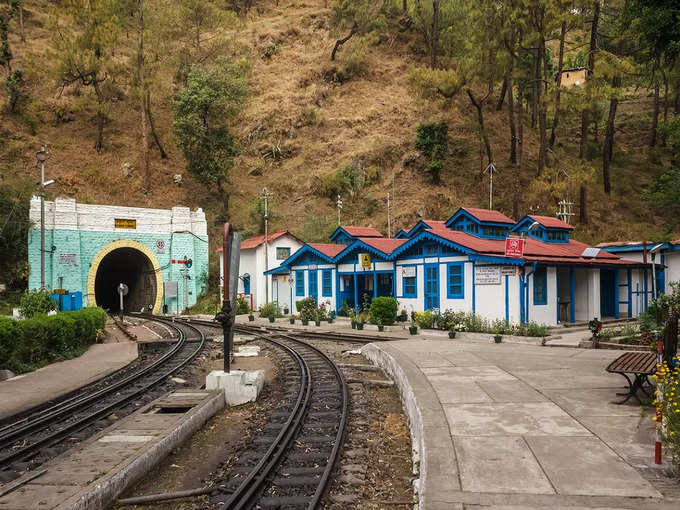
(668, 407)
(595, 327)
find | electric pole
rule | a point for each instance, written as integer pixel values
(339, 204)
(491, 169)
(42, 157)
(266, 195)
(389, 224)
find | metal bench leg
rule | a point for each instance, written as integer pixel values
(630, 393)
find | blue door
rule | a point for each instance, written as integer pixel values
(313, 284)
(246, 284)
(431, 286)
(607, 293)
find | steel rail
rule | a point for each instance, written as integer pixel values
(61, 411)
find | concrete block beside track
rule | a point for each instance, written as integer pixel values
(93, 475)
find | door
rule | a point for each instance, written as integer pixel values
(607, 293)
(246, 284)
(313, 284)
(431, 286)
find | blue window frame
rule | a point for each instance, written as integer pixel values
(541, 286)
(314, 284)
(299, 283)
(326, 283)
(410, 284)
(455, 281)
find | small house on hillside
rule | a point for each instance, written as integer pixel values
(574, 77)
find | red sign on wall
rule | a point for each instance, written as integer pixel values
(514, 247)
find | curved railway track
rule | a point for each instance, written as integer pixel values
(290, 462)
(31, 438)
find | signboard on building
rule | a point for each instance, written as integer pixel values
(408, 271)
(508, 271)
(125, 223)
(170, 289)
(365, 260)
(514, 247)
(67, 259)
(487, 275)
(160, 246)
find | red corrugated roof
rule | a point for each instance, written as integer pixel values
(550, 222)
(255, 241)
(384, 245)
(436, 224)
(330, 250)
(489, 215)
(534, 250)
(361, 231)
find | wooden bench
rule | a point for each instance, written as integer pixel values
(638, 364)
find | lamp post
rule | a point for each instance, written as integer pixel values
(42, 156)
(266, 195)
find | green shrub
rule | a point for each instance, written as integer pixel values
(475, 323)
(344, 309)
(431, 83)
(431, 140)
(242, 306)
(270, 310)
(36, 301)
(383, 309)
(31, 343)
(306, 308)
(424, 320)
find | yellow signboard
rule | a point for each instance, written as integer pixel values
(124, 223)
(365, 259)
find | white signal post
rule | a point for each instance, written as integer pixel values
(491, 169)
(266, 195)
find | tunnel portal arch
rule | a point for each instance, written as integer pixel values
(129, 262)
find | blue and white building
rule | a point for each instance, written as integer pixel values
(460, 264)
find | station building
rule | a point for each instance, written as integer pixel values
(93, 248)
(461, 264)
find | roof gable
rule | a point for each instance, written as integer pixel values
(355, 232)
(482, 216)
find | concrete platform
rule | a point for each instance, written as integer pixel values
(28, 390)
(520, 426)
(91, 476)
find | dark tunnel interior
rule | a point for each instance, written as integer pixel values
(131, 267)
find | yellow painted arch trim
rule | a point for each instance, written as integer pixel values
(125, 243)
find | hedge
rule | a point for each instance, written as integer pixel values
(31, 343)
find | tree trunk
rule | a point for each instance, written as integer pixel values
(342, 41)
(583, 206)
(542, 113)
(511, 116)
(535, 88)
(608, 148)
(143, 96)
(589, 74)
(404, 5)
(558, 92)
(655, 115)
(156, 138)
(21, 23)
(520, 127)
(665, 107)
(670, 338)
(501, 98)
(435, 34)
(99, 143)
(479, 104)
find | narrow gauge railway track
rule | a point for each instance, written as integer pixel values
(290, 462)
(31, 439)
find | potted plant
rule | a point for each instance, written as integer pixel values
(498, 338)
(413, 328)
(403, 316)
(330, 320)
(286, 311)
(380, 325)
(251, 317)
(452, 332)
(317, 318)
(360, 325)
(271, 319)
(353, 316)
(292, 319)
(595, 327)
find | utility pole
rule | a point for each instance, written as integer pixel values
(339, 204)
(491, 169)
(389, 224)
(266, 195)
(42, 156)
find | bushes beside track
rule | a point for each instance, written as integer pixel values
(31, 343)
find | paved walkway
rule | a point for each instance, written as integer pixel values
(516, 426)
(28, 390)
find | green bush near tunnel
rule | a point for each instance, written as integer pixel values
(28, 344)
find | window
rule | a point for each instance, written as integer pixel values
(541, 286)
(326, 283)
(431, 249)
(448, 249)
(299, 283)
(455, 289)
(409, 283)
(282, 253)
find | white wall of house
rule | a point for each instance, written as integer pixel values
(547, 313)
(672, 262)
(329, 301)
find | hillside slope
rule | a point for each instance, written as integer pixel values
(298, 127)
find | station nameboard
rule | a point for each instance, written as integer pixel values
(125, 223)
(514, 247)
(487, 275)
(408, 271)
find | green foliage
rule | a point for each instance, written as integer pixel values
(306, 308)
(450, 320)
(14, 226)
(35, 302)
(424, 320)
(316, 228)
(256, 213)
(350, 181)
(431, 140)
(206, 304)
(16, 91)
(242, 306)
(383, 309)
(203, 108)
(369, 16)
(664, 195)
(270, 310)
(31, 343)
(5, 50)
(431, 83)
(344, 309)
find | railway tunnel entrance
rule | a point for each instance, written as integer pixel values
(133, 268)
